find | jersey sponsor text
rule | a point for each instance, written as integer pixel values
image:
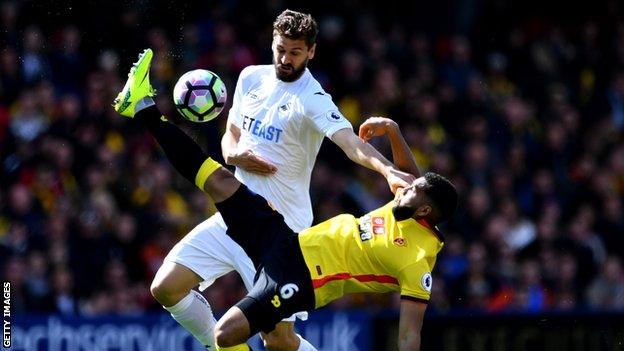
(258, 129)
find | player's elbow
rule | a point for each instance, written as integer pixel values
(353, 151)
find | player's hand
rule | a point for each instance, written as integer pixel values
(375, 127)
(398, 180)
(253, 163)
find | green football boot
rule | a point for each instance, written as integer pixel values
(137, 86)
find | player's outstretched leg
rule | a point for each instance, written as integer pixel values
(172, 287)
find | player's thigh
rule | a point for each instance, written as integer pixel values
(253, 224)
(210, 252)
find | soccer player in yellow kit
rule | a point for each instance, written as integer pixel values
(392, 248)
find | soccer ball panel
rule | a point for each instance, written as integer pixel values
(200, 101)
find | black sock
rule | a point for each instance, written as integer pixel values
(148, 114)
(181, 150)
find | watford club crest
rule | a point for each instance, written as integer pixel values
(399, 242)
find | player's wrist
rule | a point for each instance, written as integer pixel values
(389, 171)
(230, 159)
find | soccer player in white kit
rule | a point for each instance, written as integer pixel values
(279, 117)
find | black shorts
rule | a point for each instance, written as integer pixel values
(282, 285)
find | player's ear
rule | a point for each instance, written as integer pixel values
(423, 211)
(311, 51)
(273, 40)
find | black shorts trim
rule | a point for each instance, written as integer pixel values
(251, 309)
(414, 299)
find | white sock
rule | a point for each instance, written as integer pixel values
(304, 345)
(144, 103)
(194, 314)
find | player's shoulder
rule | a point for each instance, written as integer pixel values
(254, 71)
(314, 88)
(313, 93)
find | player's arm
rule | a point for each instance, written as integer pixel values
(245, 159)
(367, 156)
(232, 155)
(410, 324)
(401, 153)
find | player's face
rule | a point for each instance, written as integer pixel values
(408, 200)
(290, 57)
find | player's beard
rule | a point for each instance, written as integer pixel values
(293, 74)
(403, 212)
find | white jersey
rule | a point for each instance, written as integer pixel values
(284, 123)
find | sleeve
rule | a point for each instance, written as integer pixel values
(234, 115)
(416, 282)
(324, 114)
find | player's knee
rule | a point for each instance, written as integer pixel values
(280, 340)
(165, 293)
(158, 290)
(172, 283)
(225, 336)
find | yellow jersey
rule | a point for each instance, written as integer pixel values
(373, 253)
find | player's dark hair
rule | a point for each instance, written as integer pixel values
(443, 196)
(296, 25)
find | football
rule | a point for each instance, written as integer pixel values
(199, 95)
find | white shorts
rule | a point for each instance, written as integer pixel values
(209, 252)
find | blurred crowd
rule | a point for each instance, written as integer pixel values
(525, 116)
